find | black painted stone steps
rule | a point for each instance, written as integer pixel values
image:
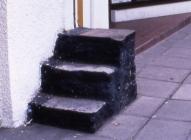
(81, 114)
(95, 47)
(79, 80)
(90, 77)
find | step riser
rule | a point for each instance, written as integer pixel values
(79, 84)
(91, 49)
(67, 119)
(128, 86)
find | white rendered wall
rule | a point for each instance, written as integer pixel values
(5, 97)
(96, 14)
(151, 11)
(33, 26)
(87, 12)
(68, 11)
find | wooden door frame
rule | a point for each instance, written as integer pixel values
(80, 16)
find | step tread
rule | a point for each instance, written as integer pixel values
(86, 106)
(115, 34)
(74, 67)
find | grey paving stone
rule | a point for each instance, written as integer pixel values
(145, 58)
(175, 110)
(92, 137)
(144, 106)
(163, 73)
(188, 80)
(186, 30)
(188, 38)
(43, 132)
(183, 93)
(173, 62)
(139, 67)
(189, 137)
(158, 49)
(150, 55)
(164, 130)
(122, 127)
(39, 132)
(185, 43)
(179, 52)
(174, 38)
(155, 88)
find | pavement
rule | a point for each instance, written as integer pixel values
(162, 110)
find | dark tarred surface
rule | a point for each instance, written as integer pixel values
(150, 31)
(114, 85)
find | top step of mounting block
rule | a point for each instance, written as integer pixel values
(96, 46)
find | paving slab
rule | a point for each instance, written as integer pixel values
(139, 67)
(154, 88)
(151, 54)
(185, 43)
(164, 130)
(43, 132)
(179, 52)
(145, 58)
(92, 137)
(175, 110)
(173, 62)
(186, 30)
(183, 93)
(163, 73)
(188, 80)
(144, 106)
(38, 132)
(189, 137)
(123, 127)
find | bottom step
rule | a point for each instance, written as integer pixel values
(82, 114)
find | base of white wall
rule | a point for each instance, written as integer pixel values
(150, 11)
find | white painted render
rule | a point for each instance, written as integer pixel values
(68, 10)
(151, 11)
(87, 12)
(33, 26)
(96, 14)
(100, 14)
(5, 96)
